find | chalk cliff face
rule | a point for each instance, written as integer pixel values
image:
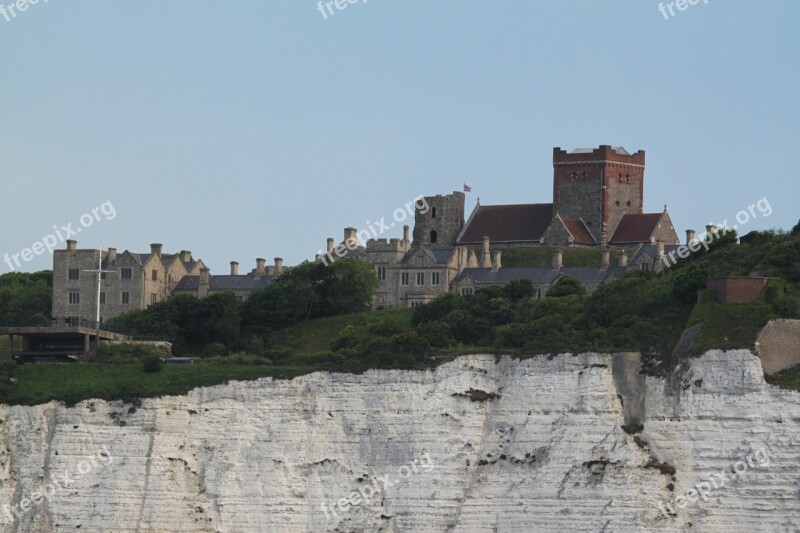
(476, 445)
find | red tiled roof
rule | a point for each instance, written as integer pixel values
(579, 231)
(508, 223)
(635, 228)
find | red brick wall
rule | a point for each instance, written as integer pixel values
(737, 290)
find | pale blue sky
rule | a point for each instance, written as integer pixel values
(244, 129)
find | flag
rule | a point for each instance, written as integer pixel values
(467, 188)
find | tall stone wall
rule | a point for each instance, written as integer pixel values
(444, 216)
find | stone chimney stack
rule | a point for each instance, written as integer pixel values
(261, 267)
(623, 260)
(497, 264)
(558, 260)
(278, 266)
(486, 259)
(186, 256)
(72, 245)
(711, 229)
(406, 234)
(155, 249)
(606, 261)
(205, 282)
(659, 249)
(690, 233)
(112, 255)
(659, 260)
(234, 268)
(330, 244)
(350, 234)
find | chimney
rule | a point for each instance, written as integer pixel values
(690, 233)
(558, 260)
(497, 265)
(202, 289)
(606, 261)
(112, 255)
(72, 245)
(155, 249)
(234, 268)
(711, 229)
(186, 256)
(659, 249)
(278, 266)
(350, 233)
(623, 260)
(406, 233)
(486, 259)
(261, 269)
(330, 244)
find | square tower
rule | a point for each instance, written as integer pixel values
(599, 185)
(438, 222)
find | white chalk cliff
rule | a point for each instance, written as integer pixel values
(517, 445)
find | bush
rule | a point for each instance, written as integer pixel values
(153, 363)
(410, 342)
(348, 337)
(215, 348)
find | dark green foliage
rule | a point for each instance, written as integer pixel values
(566, 286)
(26, 298)
(153, 363)
(686, 282)
(126, 353)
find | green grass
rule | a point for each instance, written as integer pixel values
(542, 256)
(315, 336)
(729, 326)
(73, 383)
(788, 379)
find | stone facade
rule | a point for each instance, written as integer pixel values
(439, 225)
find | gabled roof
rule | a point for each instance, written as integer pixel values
(504, 275)
(440, 257)
(507, 223)
(588, 274)
(579, 231)
(224, 283)
(634, 228)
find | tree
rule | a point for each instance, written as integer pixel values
(566, 286)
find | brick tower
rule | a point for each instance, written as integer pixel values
(599, 185)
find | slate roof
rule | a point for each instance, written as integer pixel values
(507, 223)
(504, 275)
(224, 283)
(579, 231)
(635, 228)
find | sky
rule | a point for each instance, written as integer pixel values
(245, 129)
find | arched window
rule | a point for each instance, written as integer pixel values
(434, 237)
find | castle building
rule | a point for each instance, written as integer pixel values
(598, 199)
(138, 280)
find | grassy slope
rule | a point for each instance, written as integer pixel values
(542, 256)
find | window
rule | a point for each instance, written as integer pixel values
(126, 297)
(629, 203)
(434, 278)
(102, 298)
(73, 320)
(620, 178)
(420, 278)
(382, 273)
(125, 273)
(584, 175)
(74, 297)
(433, 212)
(617, 203)
(628, 178)
(74, 273)
(538, 293)
(434, 237)
(153, 298)
(155, 275)
(466, 291)
(102, 275)
(404, 278)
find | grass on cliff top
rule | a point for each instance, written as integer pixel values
(729, 326)
(788, 379)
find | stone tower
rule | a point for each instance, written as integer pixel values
(599, 185)
(439, 220)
